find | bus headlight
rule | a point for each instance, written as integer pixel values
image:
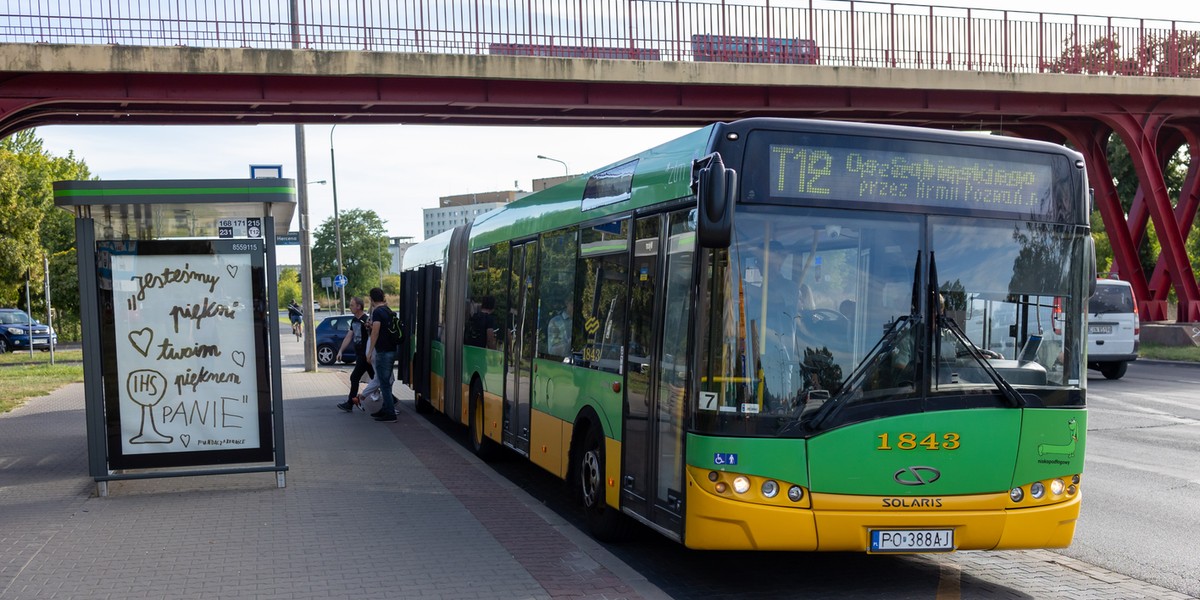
(795, 493)
(1016, 494)
(770, 488)
(741, 484)
(1057, 486)
(1037, 490)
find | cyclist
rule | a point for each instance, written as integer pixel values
(297, 318)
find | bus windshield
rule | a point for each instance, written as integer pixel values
(825, 317)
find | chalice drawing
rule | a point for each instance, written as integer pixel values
(146, 388)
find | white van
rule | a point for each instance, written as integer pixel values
(1113, 328)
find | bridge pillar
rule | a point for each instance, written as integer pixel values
(1091, 139)
(1141, 135)
(1185, 208)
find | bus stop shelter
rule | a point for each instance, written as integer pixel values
(180, 338)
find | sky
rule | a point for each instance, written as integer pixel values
(396, 170)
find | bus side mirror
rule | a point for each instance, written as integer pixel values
(1091, 258)
(715, 188)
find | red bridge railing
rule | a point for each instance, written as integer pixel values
(827, 32)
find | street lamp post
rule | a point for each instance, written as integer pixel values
(337, 223)
(379, 258)
(566, 169)
(309, 301)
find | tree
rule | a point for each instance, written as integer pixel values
(1174, 55)
(1101, 56)
(362, 237)
(289, 286)
(31, 227)
(1127, 183)
(391, 284)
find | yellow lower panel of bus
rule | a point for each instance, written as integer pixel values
(612, 470)
(493, 415)
(843, 523)
(464, 416)
(546, 442)
(437, 395)
(1049, 526)
(717, 523)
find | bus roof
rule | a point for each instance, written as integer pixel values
(658, 174)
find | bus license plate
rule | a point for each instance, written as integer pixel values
(1100, 329)
(912, 540)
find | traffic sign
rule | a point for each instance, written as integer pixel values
(339, 280)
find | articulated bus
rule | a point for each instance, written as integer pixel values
(781, 335)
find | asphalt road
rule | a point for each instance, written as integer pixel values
(1140, 519)
(1141, 503)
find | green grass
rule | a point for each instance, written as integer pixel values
(1181, 353)
(22, 378)
(21, 357)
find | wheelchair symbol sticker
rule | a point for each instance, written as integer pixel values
(725, 458)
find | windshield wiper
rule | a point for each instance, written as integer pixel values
(869, 364)
(1010, 394)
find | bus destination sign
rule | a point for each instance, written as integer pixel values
(868, 173)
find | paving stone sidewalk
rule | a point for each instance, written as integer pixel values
(370, 510)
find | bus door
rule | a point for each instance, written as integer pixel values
(656, 370)
(408, 314)
(428, 291)
(522, 334)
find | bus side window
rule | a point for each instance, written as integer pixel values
(601, 282)
(557, 293)
(499, 276)
(476, 292)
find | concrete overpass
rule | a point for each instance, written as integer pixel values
(45, 84)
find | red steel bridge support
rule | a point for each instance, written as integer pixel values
(1151, 143)
(46, 85)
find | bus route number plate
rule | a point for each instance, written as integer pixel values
(912, 540)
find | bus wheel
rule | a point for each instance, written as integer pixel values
(606, 523)
(421, 405)
(483, 446)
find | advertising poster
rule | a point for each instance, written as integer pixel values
(187, 382)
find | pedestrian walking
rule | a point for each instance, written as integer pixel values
(359, 335)
(386, 343)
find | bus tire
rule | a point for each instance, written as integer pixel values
(421, 404)
(606, 523)
(483, 446)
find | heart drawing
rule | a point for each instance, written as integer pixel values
(141, 340)
(185, 438)
(232, 270)
(239, 357)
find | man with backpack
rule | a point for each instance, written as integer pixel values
(359, 335)
(386, 344)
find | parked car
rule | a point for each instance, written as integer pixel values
(1114, 330)
(330, 333)
(15, 332)
(316, 306)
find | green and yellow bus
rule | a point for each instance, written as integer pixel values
(781, 335)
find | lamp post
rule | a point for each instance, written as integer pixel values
(309, 302)
(337, 223)
(566, 169)
(379, 257)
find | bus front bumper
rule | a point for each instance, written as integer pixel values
(833, 523)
